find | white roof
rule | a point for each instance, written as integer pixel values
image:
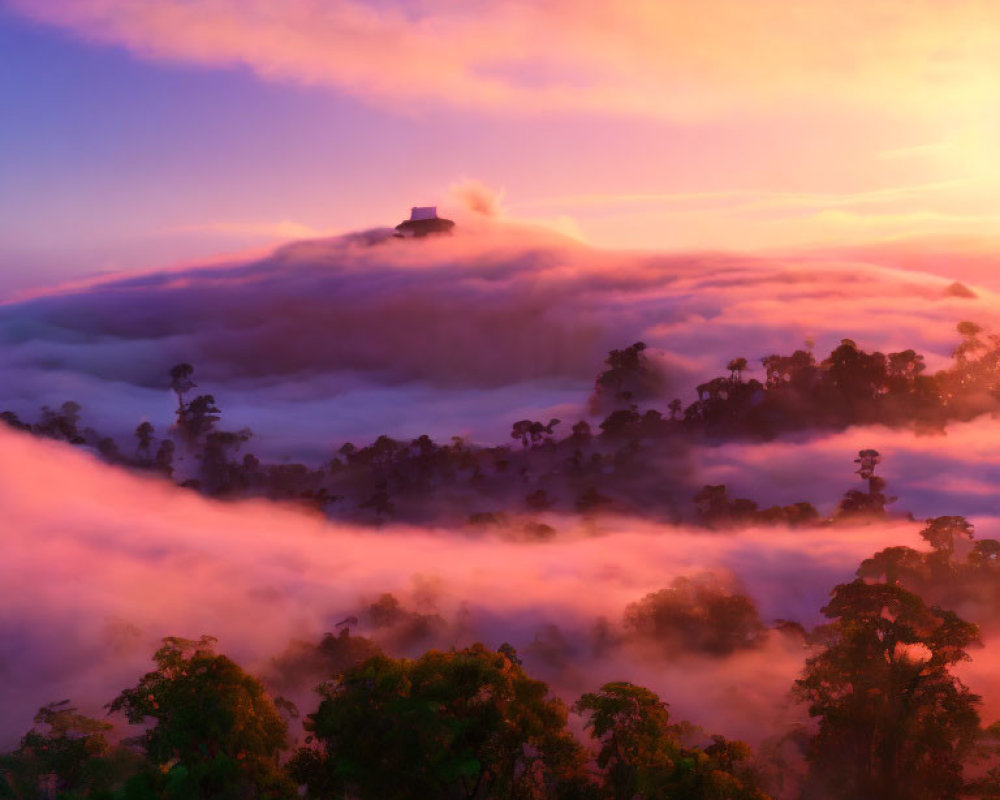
(423, 212)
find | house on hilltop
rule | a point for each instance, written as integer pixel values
(423, 221)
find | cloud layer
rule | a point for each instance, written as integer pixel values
(334, 339)
(89, 584)
(650, 58)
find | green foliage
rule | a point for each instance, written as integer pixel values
(642, 757)
(463, 724)
(66, 755)
(215, 731)
(895, 724)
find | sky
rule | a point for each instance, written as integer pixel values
(139, 135)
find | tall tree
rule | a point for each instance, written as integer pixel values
(181, 382)
(464, 724)
(894, 722)
(214, 731)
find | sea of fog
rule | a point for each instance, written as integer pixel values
(339, 340)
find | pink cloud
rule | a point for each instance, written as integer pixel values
(665, 59)
(88, 584)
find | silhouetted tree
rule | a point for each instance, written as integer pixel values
(894, 722)
(970, 344)
(164, 458)
(622, 423)
(716, 508)
(11, 419)
(218, 473)
(941, 533)
(629, 378)
(108, 449)
(61, 424)
(181, 383)
(199, 416)
(144, 434)
(872, 502)
(581, 432)
(696, 615)
(379, 501)
(736, 369)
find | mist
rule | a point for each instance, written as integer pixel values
(349, 338)
(100, 564)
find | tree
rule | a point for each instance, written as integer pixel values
(716, 508)
(217, 471)
(144, 434)
(736, 368)
(521, 430)
(463, 724)
(859, 377)
(108, 450)
(199, 416)
(629, 378)
(61, 424)
(621, 423)
(696, 615)
(903, 370)
(14, 421)
(872, 502)
(581, 432)
(214, 730)
(531, 432)
(307, 663)
(894, 565)
(181, 383)
(894, 723)
(379, 500)
(642, 756)
(942, 532)
(66, 755)
(971, 343)
(164, 459)
(985, 554)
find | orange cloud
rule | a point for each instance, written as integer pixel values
(669, 59)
